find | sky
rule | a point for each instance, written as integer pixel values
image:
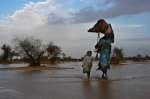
(65, 22)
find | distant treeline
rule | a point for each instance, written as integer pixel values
(138, 57)
(33, 51)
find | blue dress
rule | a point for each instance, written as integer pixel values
(104, 52)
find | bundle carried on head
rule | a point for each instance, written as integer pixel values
(103, 27)
(100, 26)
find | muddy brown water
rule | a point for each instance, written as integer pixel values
(130, 81)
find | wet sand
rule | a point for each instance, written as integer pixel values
(125, 82)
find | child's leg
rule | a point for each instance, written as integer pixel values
(88, 74)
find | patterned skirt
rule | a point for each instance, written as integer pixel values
(104, 59)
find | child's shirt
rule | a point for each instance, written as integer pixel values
(87, 63)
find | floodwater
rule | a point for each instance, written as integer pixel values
(130, 81)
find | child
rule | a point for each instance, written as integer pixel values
(87, 63)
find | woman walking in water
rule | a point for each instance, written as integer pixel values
(103, 46)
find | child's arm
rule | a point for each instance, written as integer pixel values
(83, 63)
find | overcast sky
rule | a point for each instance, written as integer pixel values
(65, 22)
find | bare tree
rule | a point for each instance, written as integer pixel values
(53, 51)
(6, 52)
(30, 48)
(63, 55)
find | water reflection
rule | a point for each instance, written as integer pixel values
(13, 65)
(87, 84)
(30, 74)
(104, 89)
(97, 88)
(87, 89)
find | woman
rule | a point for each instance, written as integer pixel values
(104, 49)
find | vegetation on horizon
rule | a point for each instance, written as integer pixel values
(117, 56)
(34, 52)
(30, 50)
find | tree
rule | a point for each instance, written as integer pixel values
(30, 48)
(53, 51)
(139, 56)
(6, 52)
(147, 57)
(63, 55)
(118, 55)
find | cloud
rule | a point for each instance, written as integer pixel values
(114, 8)
(34, 15)
(128, 25)
(55, 20)
(57, 12)
(31, 15)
